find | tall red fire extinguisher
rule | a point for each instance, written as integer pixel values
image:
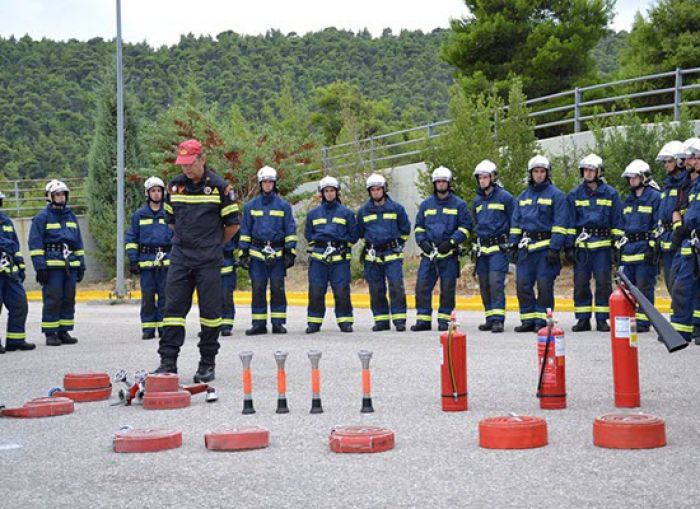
(623, 340)
(551, 387)
(453, 369)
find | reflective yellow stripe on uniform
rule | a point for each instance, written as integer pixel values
(195, 199)
(36, 252)
(443, 316)
(173, 321)
(53, 226)
(644, 209)
(277, 213)
(66, 322)
(16, 335)
(544, 201)
(419, 229)
(340, 220)
(278, 314)
(7, 228)
(542, 243)
(604, 203)
(290, 238)
(430, 212)
(496, 206)
(516, 231)
(229, 209)
(168, 208)
(399, 316)
(601, 309)
(370, 217)
(424, 318)
(314, 319)
(559, 229)
(682, 328)
(210, 322)
(390, 215)
(449, 212)
(633, 257)
(320, 220)
(132, 245)
(583, 309)
(616, 231)
(528, 201)
(227, 270)
(582, 203)
(71, 224)
(79, 252)
(259, 316)
(56, 263)
(381, 318)
(345, 319)
(245, 238)
(50, 325)
(144, 222)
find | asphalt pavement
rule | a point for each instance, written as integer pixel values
(437, 462)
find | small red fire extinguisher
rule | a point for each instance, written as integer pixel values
(623, 339)
(453, 369)
(551, 387)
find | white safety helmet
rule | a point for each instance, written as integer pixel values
(691, 146)
(671, 150)
(56, 186)
(376, 180)
(267, 173)
(152, 182)
(486, 167)
(328, 181)
(639, 168)
(539, 161)
(592, 161)
(442, 173)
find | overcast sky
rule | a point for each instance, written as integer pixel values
(163, 21)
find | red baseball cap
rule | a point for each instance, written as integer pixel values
(187, 151)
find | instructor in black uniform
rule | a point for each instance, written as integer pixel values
(201, 209)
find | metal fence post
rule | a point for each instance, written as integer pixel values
(577, 110)
(324, 151)
(677, 95)
(372, 162)
(430, 130)
(16, 190)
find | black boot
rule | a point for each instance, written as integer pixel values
(19, 345)
(52, 339)
(256, 330)
(205, 371)
(400, 327)
(225, 331)
(443, 326)
(2, 348)
(582, 325)
(312, 329)
(66, 338)
(380, 326)
(420, 326)
(278, 328)
(345, 327)
(167, 366)
(148, 335)
(485, 326)
(525, 327)
(602, 326)
(497, 327)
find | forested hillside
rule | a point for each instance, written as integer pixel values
(47, 88)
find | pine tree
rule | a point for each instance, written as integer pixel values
(102, 169)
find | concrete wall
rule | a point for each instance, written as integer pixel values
(95, 271)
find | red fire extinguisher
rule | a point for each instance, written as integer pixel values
(623, 339)
(551, 388)
(453, 369)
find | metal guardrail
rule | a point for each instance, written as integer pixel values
(571, 108)
(24, 198)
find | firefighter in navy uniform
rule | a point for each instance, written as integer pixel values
(331, 230)
(148, 247)
(443, 223)
(538, 233)
(596, 221)
(492, 209)
(685, 293)
(640, 215)
(676, 179)
(202, 210)
(12, 292)
(228, 285)
(268, 248)
(56, 248)
(385, 227)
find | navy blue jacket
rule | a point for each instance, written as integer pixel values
(53, 231)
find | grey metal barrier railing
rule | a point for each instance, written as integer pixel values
(571, 108)
(24, 198)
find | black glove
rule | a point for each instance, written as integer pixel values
(134, 268)
(81, 274)
(426, 246)
(512, 253)
(244, 260)
(289, 259)
(42, 276)
(21, 275)
(569, 255)
(446, 246)
(553, 257)
(677, 237)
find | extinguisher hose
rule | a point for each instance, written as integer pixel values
(550, 324)
(450, 366)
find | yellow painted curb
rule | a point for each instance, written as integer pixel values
(359, 300)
